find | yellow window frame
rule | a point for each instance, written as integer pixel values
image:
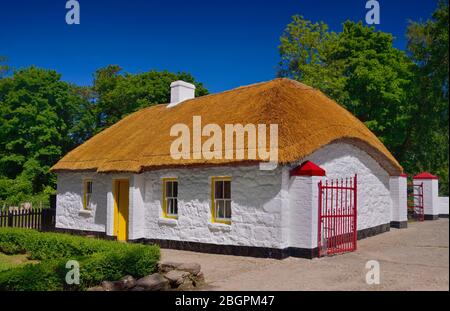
(213, 199)
(85, 188)
(164, 197)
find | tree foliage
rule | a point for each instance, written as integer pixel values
(397, 96)
(119, 94)
(42, 118)
(428, 136)
(38, 123)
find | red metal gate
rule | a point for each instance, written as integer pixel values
(337, 231)
(415, 201)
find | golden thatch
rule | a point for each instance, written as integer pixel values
(306, 118)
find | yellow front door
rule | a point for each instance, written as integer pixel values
(121, 189)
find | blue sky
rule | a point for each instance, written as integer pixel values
(224, 44)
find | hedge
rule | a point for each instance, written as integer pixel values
(99, 260)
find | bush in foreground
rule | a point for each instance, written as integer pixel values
(99, 260)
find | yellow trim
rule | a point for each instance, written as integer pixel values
(85, 181)
(164, 201)
(213, 199)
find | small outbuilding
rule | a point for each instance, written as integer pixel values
(334, 181)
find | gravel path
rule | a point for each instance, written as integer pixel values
(416, 258)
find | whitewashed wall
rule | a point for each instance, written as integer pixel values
(344, 160)
(443, 205)
(256, 207)
(262, 207)
(69, 202)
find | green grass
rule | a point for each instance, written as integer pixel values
(10, 261)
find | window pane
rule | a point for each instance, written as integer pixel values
(227, 189)
(219, 209)
(175, 189)
(88, 187)
(228, 209)
(169, 206)
(218, 189)
(175, 206)
(168, 186)
(88, 199)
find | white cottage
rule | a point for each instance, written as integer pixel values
(125, 183)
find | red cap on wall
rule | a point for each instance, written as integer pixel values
(425, 175)
(404, 175)
(308, 168)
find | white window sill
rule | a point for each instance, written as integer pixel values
(216, 226)
(168, 221)
(85, 212)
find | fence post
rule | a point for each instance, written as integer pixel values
(10, 218)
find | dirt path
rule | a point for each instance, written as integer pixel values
(416, 258)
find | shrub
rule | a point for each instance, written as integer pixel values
(31, 277)
(99, 260)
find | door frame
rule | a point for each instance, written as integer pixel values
(115, 186)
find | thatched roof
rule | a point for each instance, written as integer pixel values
(307, 120)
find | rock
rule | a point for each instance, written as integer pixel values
(193, 268)
(128, 282)
(95, 289)
(153, 282)
(166, 266)
(176, 277)
(199, 279)
(111, 286)
(186, 284)
(137, 289)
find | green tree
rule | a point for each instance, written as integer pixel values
(358, 67)
(39, 122)
(118, 94)
(428, 135)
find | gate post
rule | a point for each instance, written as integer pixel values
(430, 194)
(304, 209)
(398, 188)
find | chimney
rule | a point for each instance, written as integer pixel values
(180, 91)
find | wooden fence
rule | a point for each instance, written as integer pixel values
(36, 218)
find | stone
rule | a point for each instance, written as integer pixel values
(111, 286)
(187, 284)
(153, 282)
(193, 268)
(166, 266)
(128, 282)
(176, 277)
(199, 279)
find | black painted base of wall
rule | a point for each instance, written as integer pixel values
(399, 224)
(443, 215)
(431, 217)
(368, 232)
(236, 250)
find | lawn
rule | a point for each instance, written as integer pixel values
(9, 261)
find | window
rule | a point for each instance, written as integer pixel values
(221, 199)
(87, 194)
(170, 197)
